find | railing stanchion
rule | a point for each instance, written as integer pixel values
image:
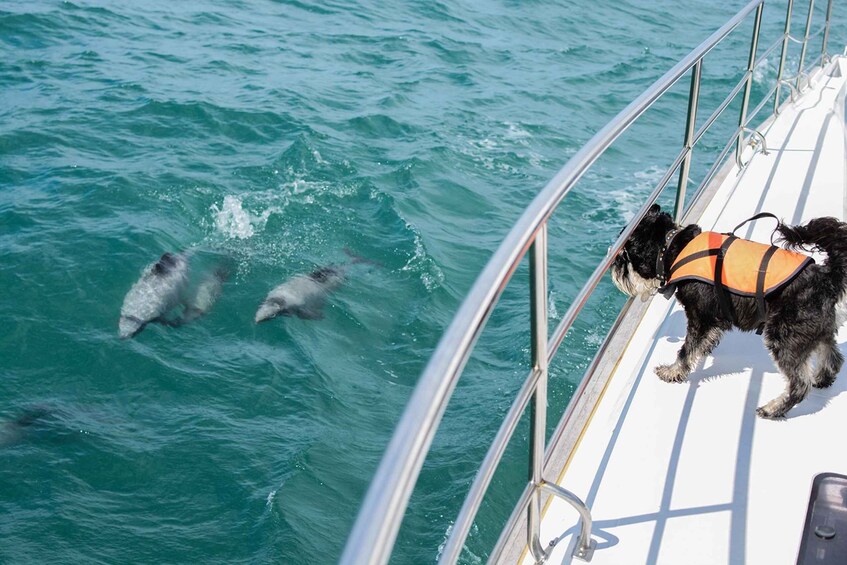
(538, 405)
(751, 63)
(799, 84)
(690, 127)
(786, 34)
(826, 32)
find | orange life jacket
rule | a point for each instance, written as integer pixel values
(739, 266)
(748, 268)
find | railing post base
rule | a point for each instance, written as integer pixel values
(585, 546)
(585, 553)
(757, 142)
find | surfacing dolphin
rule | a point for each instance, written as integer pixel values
(303, 296)
(160, 289)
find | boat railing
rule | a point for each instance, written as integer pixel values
(374, 533)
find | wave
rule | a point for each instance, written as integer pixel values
(382, 126)
(174, 119)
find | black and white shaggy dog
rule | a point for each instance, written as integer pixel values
(801, 321)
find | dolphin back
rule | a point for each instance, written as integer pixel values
(159, 289)
(206, 295)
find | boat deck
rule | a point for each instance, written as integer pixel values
(687, 473)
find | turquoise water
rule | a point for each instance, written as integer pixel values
(272, 135)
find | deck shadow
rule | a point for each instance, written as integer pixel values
(739, 352)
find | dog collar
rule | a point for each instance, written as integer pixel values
(661, 265)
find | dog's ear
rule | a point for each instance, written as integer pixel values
(663, 224)
(654, 209)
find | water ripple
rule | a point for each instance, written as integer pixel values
(283, 136)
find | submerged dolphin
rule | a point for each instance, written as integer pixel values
(160, 289)
(205, 296)
(303, 296)
(13, 431)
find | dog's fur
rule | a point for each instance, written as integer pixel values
(802, 318)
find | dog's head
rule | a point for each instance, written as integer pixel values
(634, 269)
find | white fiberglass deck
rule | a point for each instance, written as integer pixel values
(687, 473)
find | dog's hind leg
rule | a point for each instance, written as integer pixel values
(699, 341)
(799, 373)
(829, 361)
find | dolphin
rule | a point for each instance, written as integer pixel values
(13, 431)
(205, 296)
(303, 296)
(160, 289)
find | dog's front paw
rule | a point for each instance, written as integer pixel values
(671, 373)
(769, 413)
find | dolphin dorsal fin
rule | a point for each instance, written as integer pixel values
(164, 264)
(320, 275)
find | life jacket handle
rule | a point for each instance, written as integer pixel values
(756, 217)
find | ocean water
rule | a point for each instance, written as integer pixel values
(276, 137)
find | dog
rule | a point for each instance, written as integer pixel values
(799, 320)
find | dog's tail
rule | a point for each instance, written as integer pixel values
(822, 234)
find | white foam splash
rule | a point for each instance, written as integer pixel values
(443, 543)
(594, 339)
(517, 132)
(628, 200)
(233, 221)
(431, 275)
(552, 312)
(466, 554)
(764, 71)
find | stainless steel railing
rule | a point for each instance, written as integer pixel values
(375, 531)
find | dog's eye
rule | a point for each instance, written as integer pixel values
(624, 255)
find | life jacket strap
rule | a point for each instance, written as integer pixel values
(691, 258)
(756, 217)
(720, 288)
(761, 308)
